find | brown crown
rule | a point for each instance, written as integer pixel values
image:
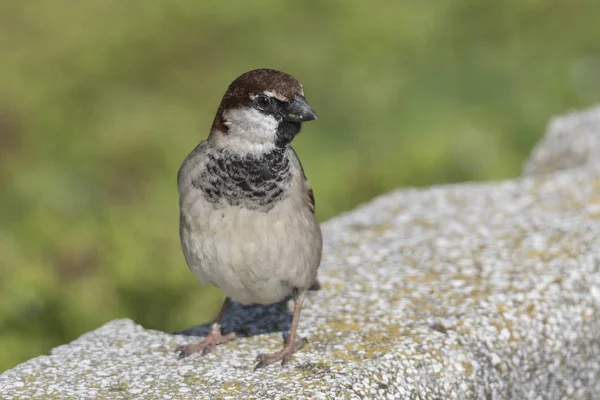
(256, 81)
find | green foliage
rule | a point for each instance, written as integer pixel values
(100, 101)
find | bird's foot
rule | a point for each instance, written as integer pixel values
(207, 345)
(283, 355)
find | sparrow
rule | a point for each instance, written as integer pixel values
(247, 211)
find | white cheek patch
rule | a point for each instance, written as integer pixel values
(249, 130)
(251, 122)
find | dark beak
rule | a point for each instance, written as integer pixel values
(299, 111)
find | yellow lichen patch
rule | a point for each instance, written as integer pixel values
(56, 397)
(380, 228)
(397, 210)
(334, 274)
(347, 356)
(368, 344)
(517, 241)
(586, 315)
(460, 328)
(28, 378)
(119, 387)
(424, 278)
(425, 222)
(381, 341)
(467, 278)
(344, 325)
(334, 331)
(497, 325)
(543, 255)
(468, 368)
(230, 388)
(310, 369)
(338, 287)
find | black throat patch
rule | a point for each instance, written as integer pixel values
(286, 132)
(252, 182)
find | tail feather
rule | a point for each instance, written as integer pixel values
(316, 285)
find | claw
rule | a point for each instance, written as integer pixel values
(284, 355)
(181, 352)
(260, 365)
(207, 346)
(208, 349)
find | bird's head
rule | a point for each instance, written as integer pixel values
(262, 109)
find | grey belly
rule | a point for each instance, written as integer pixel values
(253, 256)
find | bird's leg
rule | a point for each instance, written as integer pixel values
(212, 339)
(291, 345)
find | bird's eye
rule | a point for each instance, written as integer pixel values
(262, 101)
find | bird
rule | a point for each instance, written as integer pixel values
(247, 210)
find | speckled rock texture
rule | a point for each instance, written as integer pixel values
(469, 291)
(571, 141)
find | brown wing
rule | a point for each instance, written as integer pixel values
(309, 194)
(311, 200)
(310, 197)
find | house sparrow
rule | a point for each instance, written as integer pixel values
(247, 221)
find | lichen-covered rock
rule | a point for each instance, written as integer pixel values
(571, 141)
(481, 291)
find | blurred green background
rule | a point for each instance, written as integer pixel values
(100, 101)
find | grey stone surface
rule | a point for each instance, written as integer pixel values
(481, 291)
(571, 140)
